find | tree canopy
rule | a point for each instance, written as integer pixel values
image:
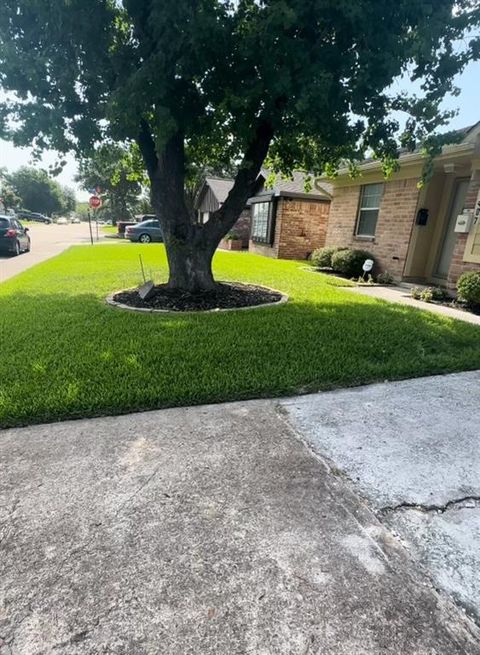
(212, 82)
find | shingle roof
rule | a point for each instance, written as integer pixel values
(283, 186)
(220, 187)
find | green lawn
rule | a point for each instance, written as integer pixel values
(109, 229)
(66, 354)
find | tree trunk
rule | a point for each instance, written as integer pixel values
(190, 266)
(190, 246)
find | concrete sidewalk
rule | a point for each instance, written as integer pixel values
(209, 530)
(401, 295)
(411, 449)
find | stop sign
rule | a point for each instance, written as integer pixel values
(95, 202)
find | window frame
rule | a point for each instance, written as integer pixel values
(361, 208)
(266, 240)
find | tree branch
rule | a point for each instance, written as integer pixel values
(244, 186)
(147, 148)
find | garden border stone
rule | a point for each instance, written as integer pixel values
(110, 300)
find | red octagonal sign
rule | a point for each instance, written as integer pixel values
(95, 202)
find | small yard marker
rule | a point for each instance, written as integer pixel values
(143, 270)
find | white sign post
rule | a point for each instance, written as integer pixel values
(367, 266)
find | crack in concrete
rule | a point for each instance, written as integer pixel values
(465, 502)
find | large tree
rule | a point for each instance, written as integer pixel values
(209, 82)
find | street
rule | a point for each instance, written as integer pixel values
(47, 241)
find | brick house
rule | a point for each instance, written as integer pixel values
(287, 221)
(414, 233)
(284, 221)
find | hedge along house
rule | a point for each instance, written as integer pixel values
(288, 222)
(415, 234)
(211, 197)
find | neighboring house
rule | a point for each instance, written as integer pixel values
(211, 197)
(284, 221)
(414, 233)
(287, 221)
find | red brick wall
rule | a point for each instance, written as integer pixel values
(394, 225)
(300, 228)
(458, 266)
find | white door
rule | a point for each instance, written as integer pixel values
(447, 244)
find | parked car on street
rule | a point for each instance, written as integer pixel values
(33, 216)
(76, 220)
(62, 220)
(14, 237)
(144, 232)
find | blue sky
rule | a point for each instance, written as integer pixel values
(468, 104)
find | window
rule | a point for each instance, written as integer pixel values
(262, 231)
(370, 198)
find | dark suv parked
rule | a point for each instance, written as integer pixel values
(34, 216)
(13, 236)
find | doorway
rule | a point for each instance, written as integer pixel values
(447, 243)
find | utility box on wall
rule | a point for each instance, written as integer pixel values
(464, 221)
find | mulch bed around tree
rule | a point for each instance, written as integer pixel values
(224, 296)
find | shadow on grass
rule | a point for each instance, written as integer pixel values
(72, 355)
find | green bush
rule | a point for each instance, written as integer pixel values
(468, 287)
(416, 293)
(429, 294)
(385, 278)
(426, 295)
(350, 262)
(322, 257)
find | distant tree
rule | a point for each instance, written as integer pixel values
(37, 191)
(69, 200)
(210, 82)
(119, 173)
(8, 196)
(81, 209)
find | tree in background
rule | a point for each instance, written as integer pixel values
(119, 173)
(69, 201)
(210, 82)
(38, 192)
(8, 197)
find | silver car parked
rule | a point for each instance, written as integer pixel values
(144, 232)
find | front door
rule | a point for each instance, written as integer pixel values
(447, 244)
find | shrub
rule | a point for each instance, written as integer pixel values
(385, 278)
(468, 287)
(322, 257)
(439, 294)
(430, 294)
(426, 295)
(416, 293)
(350, 262)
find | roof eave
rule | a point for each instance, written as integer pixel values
(412, 159)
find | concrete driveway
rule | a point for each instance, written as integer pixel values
(208, 530)
(411, 449)
(47, 241)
